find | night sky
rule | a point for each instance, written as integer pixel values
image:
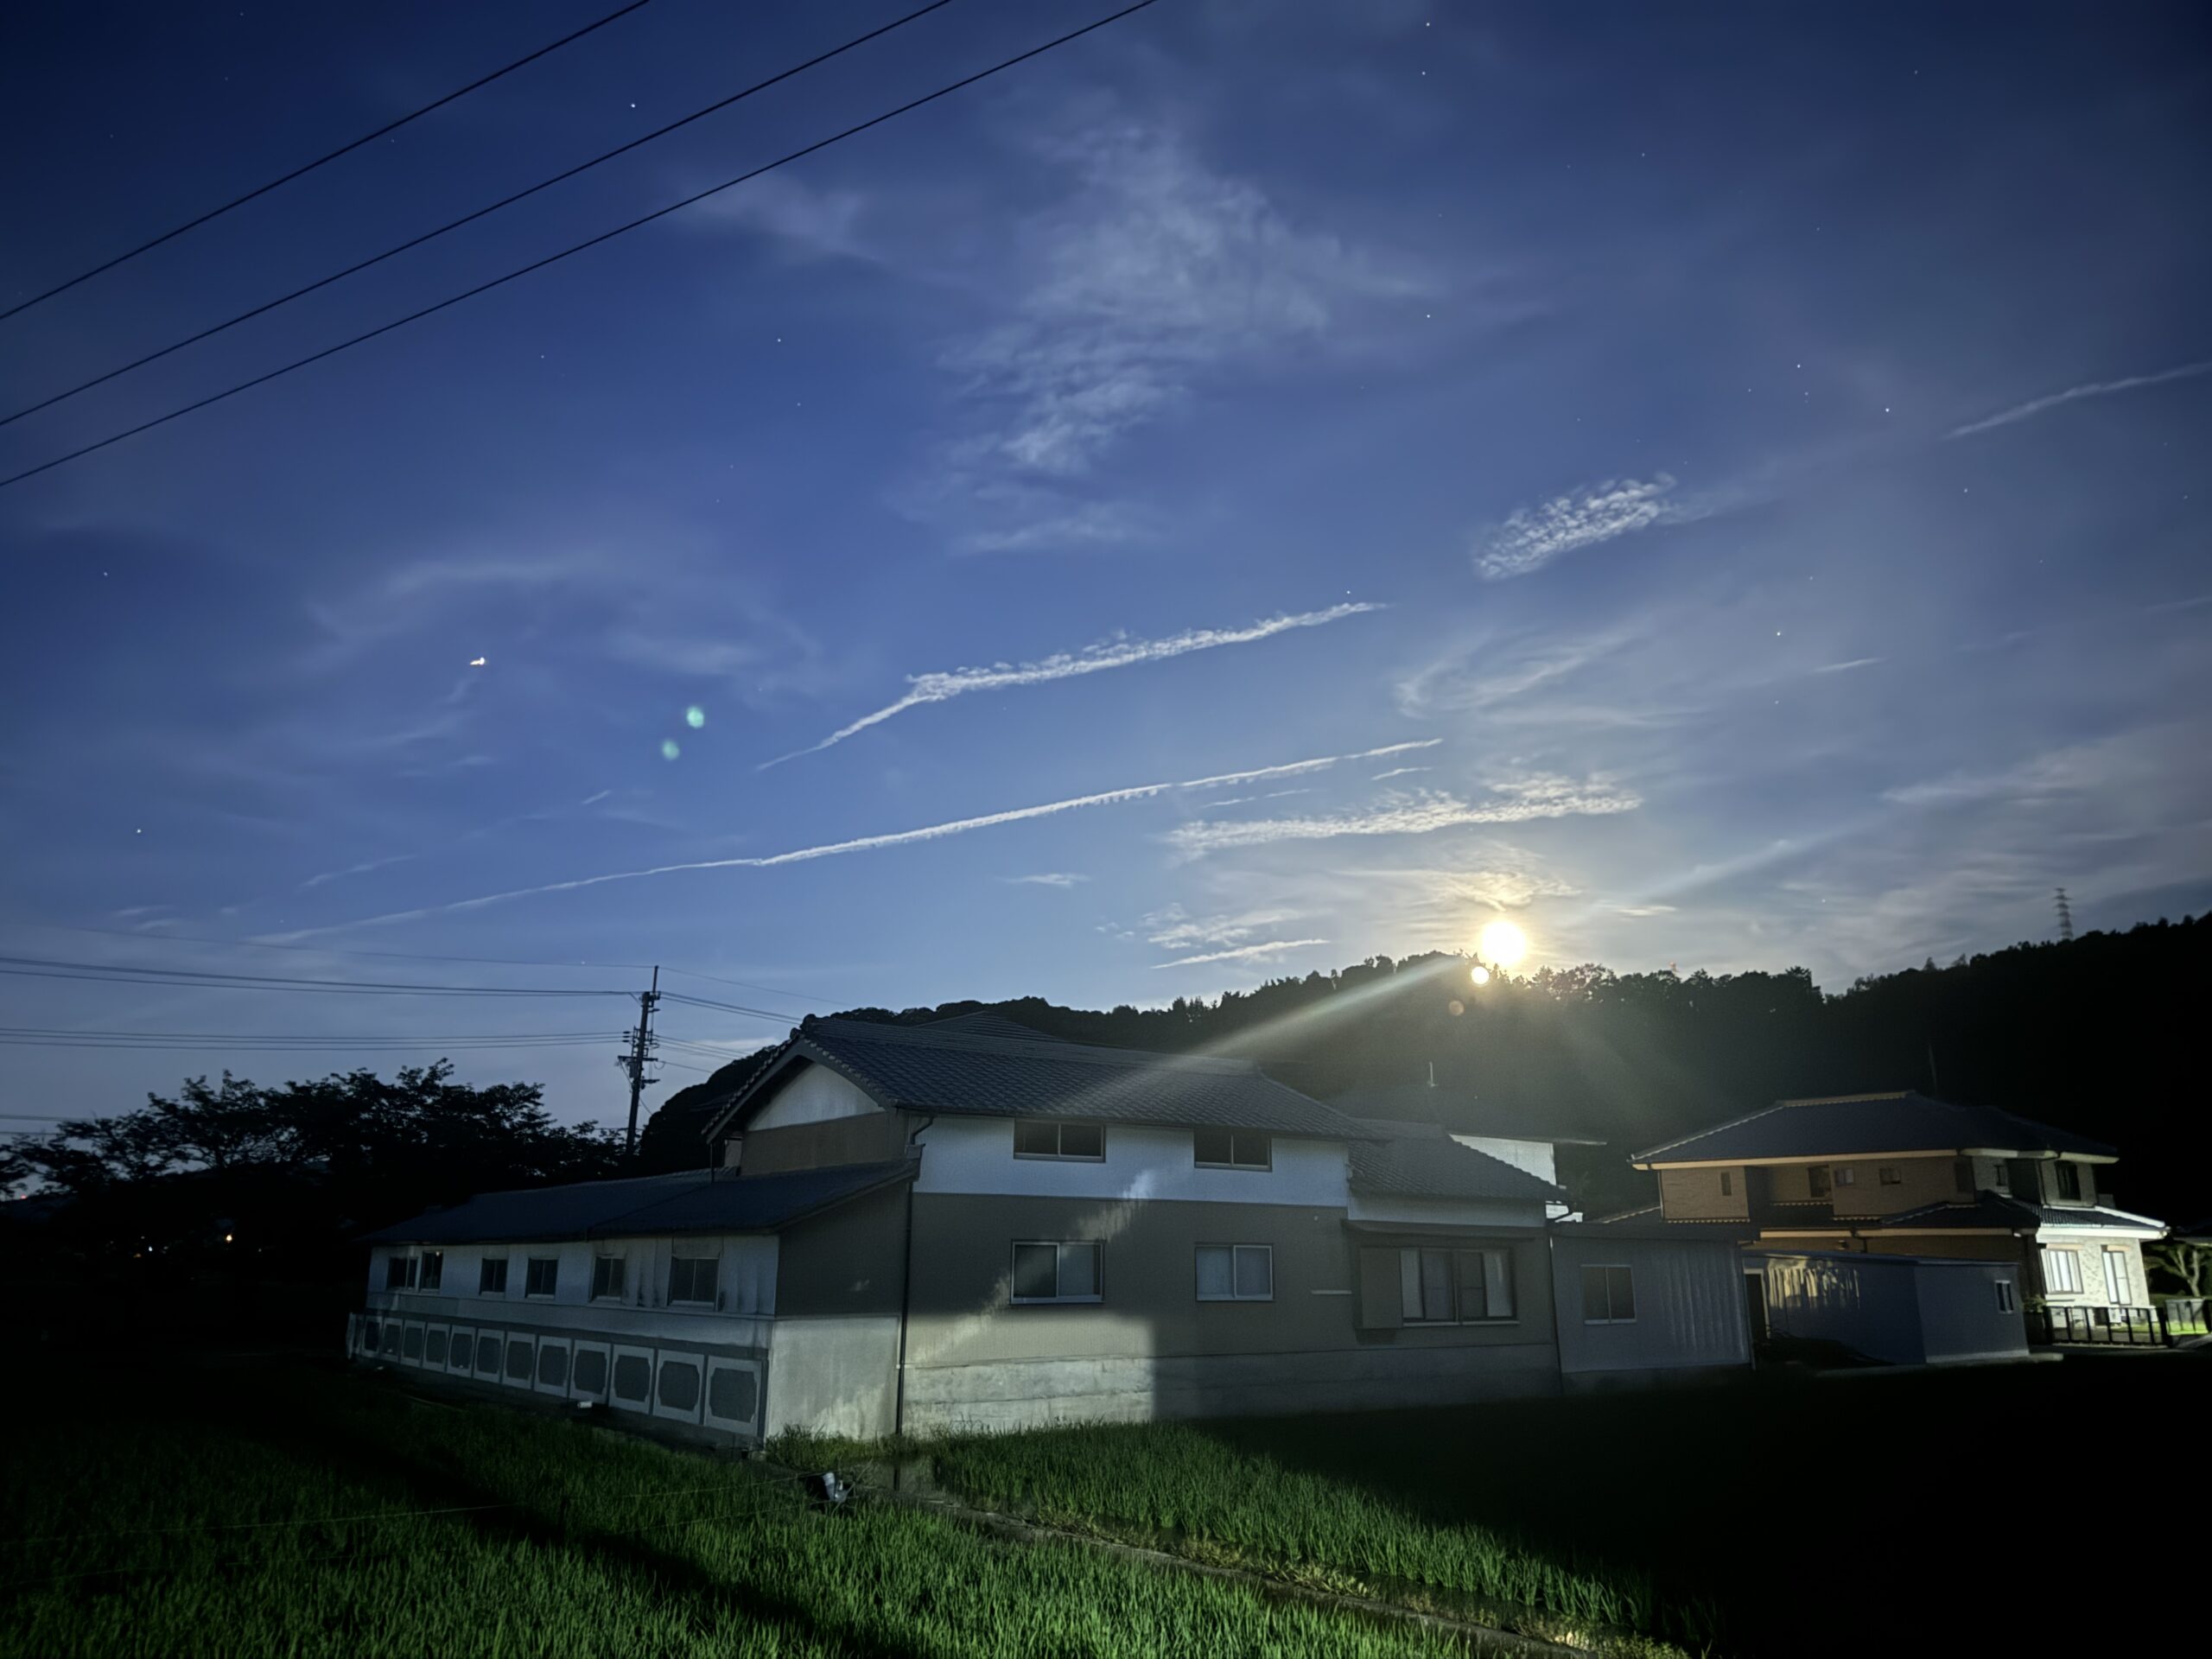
(1260, 486)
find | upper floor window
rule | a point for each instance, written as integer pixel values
(542, 1275)
(1231, 1149)
(1041, 1137)
(1727, 1183)
(1236, 1273)
(2003, 1173)
(606, 1278)
(397, 1272)
(1054, 1270)
(434, 1270)
(1608, 1294)
(492, 1276)
(695, 1278)
(2069, 1180)
(1889, 1175)
(1845, 1175)
(1816, 1180)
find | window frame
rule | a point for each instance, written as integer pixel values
(1888, 1175)
(1059, 1127)
(395, 1272)
(530, 1277)
(2001, 1176)
(2120, 1287)
(1819, 1180)
(2068, 1282)
(2069, 1175)
(1845, 1174)
(1233, 1294)
(692, 1264)
(2007, 1300)
(600, 1261)
(1727, 1183)
(431, 1275)
(1096, 1246)
(1609, 1268)
(1267, 1149)
(485, 1265)
(1412, 1275)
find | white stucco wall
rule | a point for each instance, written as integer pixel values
(976, 1155)
(815, 1095)
(1537, 1157)
(746, 1278)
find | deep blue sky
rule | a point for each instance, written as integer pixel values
(1760, 453)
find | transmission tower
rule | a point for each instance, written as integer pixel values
(2065, 919)
(639, 1057)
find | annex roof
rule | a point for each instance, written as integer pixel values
(1460, 1113)
(944, 1069)
(1847, 1126)
(1435, 1166)
(692, 1201)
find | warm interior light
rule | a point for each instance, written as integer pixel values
(1479, 973)
(1503, 945)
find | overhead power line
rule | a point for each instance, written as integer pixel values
(321, 160)
(520, 272)
(471, 217)
(780, 1018)
(128, 974)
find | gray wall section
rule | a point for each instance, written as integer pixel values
(1689, 1305)
(876, 1138)
(845, 1262)
(1150, 1348)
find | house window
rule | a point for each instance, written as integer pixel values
(2004, 1174)
(1847, 1176)
(606, 1278)
(1727, 1183)
(1230, 1150)
(1236, 1273)
(1962, 1174)
(542, 1276)
(2116, 1291)
(2062, 1271)
(1037, 1137)
(1888, 1175)
(1816, 1180)
(2069, 1180)
(1608, 1294)
(395, 1272)
(1050, 1270)
(2006, 1303)
(434, 1269)
(1455, 1287)
(694, 1280)
(492, 1276)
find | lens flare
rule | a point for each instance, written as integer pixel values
(695, 717)
(670, 748)
(1503, 945)
(1479, 973)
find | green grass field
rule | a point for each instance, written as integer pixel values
(1892, 1513)
(200, 1514)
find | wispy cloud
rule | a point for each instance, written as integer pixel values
(1048, 879)
(869, 843)
(1520, 801)
(1120, 652)
(1844, 668)
(1533, 536)
(1399, 771)
(2035, 406)
(1242, 953)
(1175, 929)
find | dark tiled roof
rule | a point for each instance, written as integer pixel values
(1436, 1166)
(688, 1201)
(1996, 1210)
(930, 1069)
(983, 1023)
(1459, 1112)
(1842, 1126)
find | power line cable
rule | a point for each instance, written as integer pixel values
(591, 242)
(125, 973)
(470, 218)
(747, 985)
(321, 160)
(780, 1018)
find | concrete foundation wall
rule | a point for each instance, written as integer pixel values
(834, 1376)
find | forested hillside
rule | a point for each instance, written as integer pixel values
(2100, 1035)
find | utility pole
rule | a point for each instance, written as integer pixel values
(642, 1044)
(2065, 919)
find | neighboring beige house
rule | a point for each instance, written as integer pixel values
(1903, 1174)
(967, 1225)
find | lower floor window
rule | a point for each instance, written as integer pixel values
(1448, 1287)
(1236, 1273)
(1608, 1294)
(2062, 1271)
(1056, 1271)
